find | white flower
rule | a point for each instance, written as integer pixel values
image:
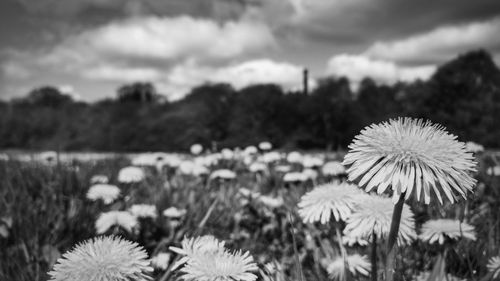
(294, 157)
(192, 168)
(474, 147)
(295, 177)
(283, 168)
(105, 192)
(227, 153)
(161, 261)
(173, 212)
(373, 214)
(250, 150)
(224, 174)
(145, 159)
(265, 145)
(196, 149)
(131, 174)
(257, 167)
(333, 168)
(437, 230)
(248, 193)
(123, 219)
(102, 259)
(493, 171)
(351, 241)
(358, 265)
(4, 157)
(270, 157)
(424, 276)
(143, 211)
(99, 179)
(338, 199)
(48, 157)
(310, 174)
(411, 156)
(494, 266)
(206, 259)
(271, 202)
(312, 161)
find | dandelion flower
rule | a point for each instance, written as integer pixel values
(271, 202)
(310, 174)
(270, 157)
(173, 212)
(295, 177)
(143, 211)
(105, 192)
(494, 266)
(257, 167)
(493, 171)
(250, 150)
(224, 174)
(161, 261)
(312, 161)
(206, 259)
(373, 214)
(283, 168)
(437, 230)
(196, 149)
(319, 204)
(265, 145)
(131, 174)
(120, 218)
(358, 265)
(333, 168)
(227, 153)
(103, 258)
(424, 276)
(294, 157)
(411, 156)
(99, 179)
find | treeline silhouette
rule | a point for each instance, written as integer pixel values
(463, 95)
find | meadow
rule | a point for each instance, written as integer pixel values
(248, 198)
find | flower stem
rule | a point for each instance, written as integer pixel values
(374, 257)
(391, 241)
(343, 252)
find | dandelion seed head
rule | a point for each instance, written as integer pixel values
(337, 199)
(413, 157)
(438, 230)
(373, 214)
(103, 259)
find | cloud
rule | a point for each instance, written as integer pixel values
(357, 67)
(440, 44)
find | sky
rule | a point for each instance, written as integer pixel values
(88, 48)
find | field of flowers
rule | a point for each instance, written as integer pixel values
(255, 213)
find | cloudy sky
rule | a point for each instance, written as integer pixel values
(90, 47)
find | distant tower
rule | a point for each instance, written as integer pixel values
(305, 82)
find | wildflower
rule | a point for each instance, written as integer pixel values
(175, 213)
(191, 168)
(250, 150)
(161, 261)
(120, 218)
(131, 174)
(351, 241)
(358, 265)
(206, 259)
(270, 157)
(373, 215)
(283, 168)
(437, 230)
(196, 149)
(474, 147)
(143, 211)
(424, 276)
(227, 153)
(333, 168)
(494, 266)
(312, 161)
(411, 155)
(48, 157)
(99, 179)
(265, 145)
(295, 177)
(105, 192)
(294, 157)
(223, 174)
(319, 204)
(271, 202)
(257, 167)
(248, 193)
(310, 174)
(493, 171)
(103, 258)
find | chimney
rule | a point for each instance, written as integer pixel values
(305, 85)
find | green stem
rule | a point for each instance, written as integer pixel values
(391, 241)
(347, 275)
(374, 257)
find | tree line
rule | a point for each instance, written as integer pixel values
(463, 95)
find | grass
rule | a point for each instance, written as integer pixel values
(44, 212)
